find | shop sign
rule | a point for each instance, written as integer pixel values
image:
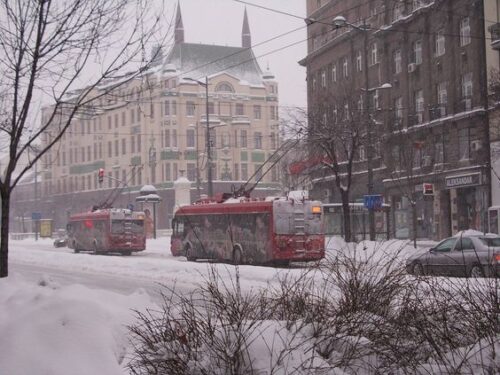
(463, 180)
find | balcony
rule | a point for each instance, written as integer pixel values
(495, 35)
(240, 120)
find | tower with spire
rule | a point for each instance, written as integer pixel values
(246, 38)
(179, 27)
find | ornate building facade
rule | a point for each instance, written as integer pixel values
(153, 129)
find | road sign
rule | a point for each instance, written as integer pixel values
(36, 216)
(373, 202)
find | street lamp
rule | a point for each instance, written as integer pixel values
(338, 22)
(209, 154)
(198, 182)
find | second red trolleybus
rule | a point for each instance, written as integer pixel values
(250, 231)
(115, 230)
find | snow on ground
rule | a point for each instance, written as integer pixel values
(51, 329)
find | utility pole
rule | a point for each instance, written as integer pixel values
(210, 187)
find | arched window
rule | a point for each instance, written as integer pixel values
(224, 87)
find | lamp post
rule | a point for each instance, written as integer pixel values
(209, 154)
(339, 22)
(198, 182)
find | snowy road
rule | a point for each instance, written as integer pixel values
(125, 274)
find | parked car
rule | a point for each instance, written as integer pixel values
(474, 255)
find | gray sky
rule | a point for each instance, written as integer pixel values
(220, 22)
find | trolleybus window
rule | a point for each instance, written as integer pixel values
(122, 226)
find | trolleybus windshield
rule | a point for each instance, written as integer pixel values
(123, 226)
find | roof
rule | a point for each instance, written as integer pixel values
(200, 60)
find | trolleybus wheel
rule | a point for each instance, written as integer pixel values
(127, 252)
(236, 256)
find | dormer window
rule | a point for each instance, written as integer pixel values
(224, 87)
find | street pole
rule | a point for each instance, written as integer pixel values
(209, 154)
(369, 146)
(37, 221)
(197, 162)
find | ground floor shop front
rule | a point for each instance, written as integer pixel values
(444, 204)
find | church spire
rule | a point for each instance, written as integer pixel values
(246, 38)
(179, 27)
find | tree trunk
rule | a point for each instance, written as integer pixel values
(346, 213)
(414, 222)
(4, 235)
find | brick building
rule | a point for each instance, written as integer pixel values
(432, 125)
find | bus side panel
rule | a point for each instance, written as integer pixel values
(252, 232)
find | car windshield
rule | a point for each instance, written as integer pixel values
(491, 241)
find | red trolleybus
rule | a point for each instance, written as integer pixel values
(113, 230)
(249, 231)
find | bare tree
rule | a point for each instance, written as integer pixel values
(71, 53)
(337, 136)
(407, 156)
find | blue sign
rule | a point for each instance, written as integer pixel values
(36, 216)
(130, 206)
(373, 202)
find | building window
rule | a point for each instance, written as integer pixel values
(116, 147)
(442, 96)
(465, 31)
(168, 176)
(272, 112)
(224, 87)
(417, 52)
(345, 68)
(334, 72)
(419, 106)
(110, 149)
(174, 138)
(323, 79)
(398, 112)
(190, 139)
(174, 108)
(373, 54)
(438, 153)
(398, 62)
(167, 138)
(236, 171)
(240, 109)
(464, 143)
(440, 48)
(258, 172)
(166, 108)
(244, 171)
(89, 153)
(109, 122)
(467, 90)
(257, 112)
(190, 108)
(273, 141)
(191, 171)
(117, 122)
(398, 11)
(132, 144)
(359, 61)
(139, 143)
(258, 140)
(243, 139)
(132, 116)
(124, 146)
(211, 108)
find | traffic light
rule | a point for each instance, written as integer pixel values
(428, 189)
(101, 175)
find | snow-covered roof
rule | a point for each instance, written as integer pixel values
(200, 60)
